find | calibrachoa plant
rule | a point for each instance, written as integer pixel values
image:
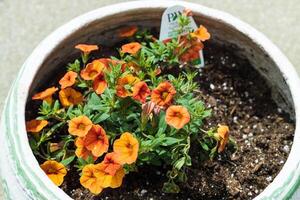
(107, 117)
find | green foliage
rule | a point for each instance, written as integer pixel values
(159, 143)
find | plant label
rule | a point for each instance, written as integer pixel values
(169, 27)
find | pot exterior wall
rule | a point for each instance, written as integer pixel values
(20, 173)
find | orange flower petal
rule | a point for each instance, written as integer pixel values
(69, 96)
(111, 164)
(81, 151)
(201, 33)
(100, 84)
(187, 12)
(117, 179)
(80, 126)
(128, 31)
(96, 140)
(90, 180)
(177, 116)
(92, 70)
(86, 48)
(126, 148)
(140, 91)
(68, 80)
(107, 180)
(223, 132)
(131, 48)
(45, 95)
(35, 126)
(55, 171)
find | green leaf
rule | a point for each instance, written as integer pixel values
(75, 66)
(168, 141)
(162, 124)
(67, 161)
(90, 160)
(82, 85)
(170, 187)
(100, 117)
(179, 163)
(204, 146)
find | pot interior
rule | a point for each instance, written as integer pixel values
(104, 31)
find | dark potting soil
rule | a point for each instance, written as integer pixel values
(240, 98)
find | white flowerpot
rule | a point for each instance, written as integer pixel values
(21, 176)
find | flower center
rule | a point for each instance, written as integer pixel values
(129, 146)
(93, 73)
(164, 95)
(100, 137)
(178, 114)
(81, 126)
(51, 171)
(70, 98)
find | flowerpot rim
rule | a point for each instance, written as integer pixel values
(26, 165)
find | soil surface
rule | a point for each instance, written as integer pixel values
(240, 98)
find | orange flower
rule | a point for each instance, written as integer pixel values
(201, 33)
(125, 84)
(35, 126)
(107, 62)
(90, 179)
(96, 140)
(107, 180)
(111, 164)
(100, 84)
(223, 133)
(45, 95)
(68, 80)
(82, 151)
(86, 48)
(192, 52)
(126, 148)
(92, 70)
(128, 31)
(55, 171)
(95, 178)
(140, 91)
(177, 116)
(117, 179)
(163, 94)
(131, 48)
(69, 96)
(80, 126)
